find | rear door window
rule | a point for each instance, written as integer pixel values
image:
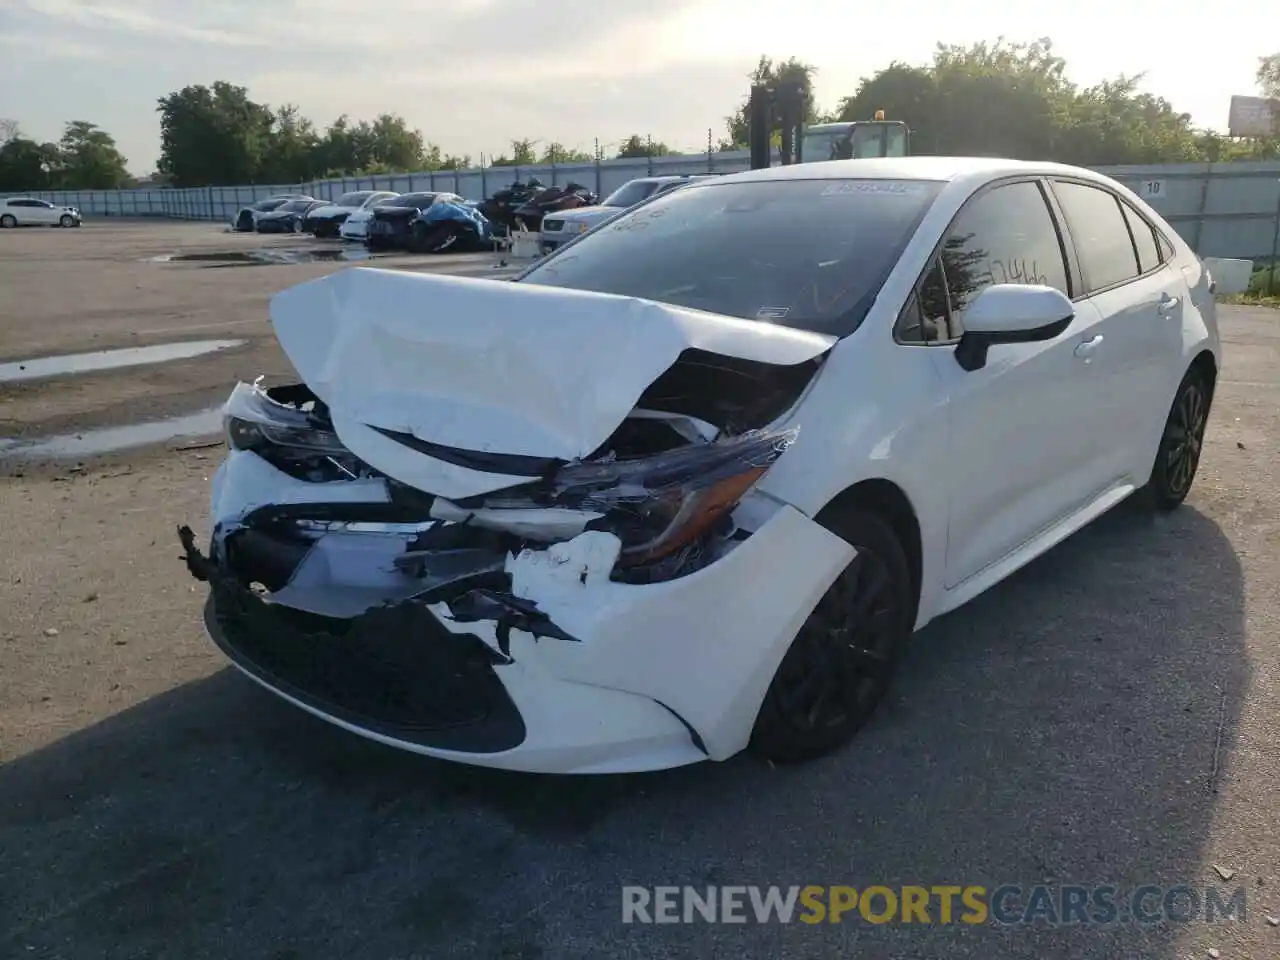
(1103, 244)
(1144, 238)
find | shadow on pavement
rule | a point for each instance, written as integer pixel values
(1059, 729)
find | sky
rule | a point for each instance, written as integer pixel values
(474, 74)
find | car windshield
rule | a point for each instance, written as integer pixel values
(810, 254)
(629, 194)
(266, 205)
(410, 200)
(295, 206)
(353, 199)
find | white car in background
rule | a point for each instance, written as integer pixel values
(327, 221)
(561, 227)
(30, 212)
(693, 487)
(356, 225)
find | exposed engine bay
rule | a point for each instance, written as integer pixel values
(666, 494)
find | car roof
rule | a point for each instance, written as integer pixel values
(912, 168)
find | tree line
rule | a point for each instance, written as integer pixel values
(986, 99)
(84, 158)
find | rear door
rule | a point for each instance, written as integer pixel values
(1021, 426)
(1128, 279)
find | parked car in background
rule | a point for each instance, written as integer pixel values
(246, 218)
(389, 226)
(356, 224)
(327, 218)
(559, 228)
(30, 212)
(286, 218)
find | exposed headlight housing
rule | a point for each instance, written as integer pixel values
(657, 505)
(253, 421)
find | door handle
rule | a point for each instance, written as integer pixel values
(1085, 350)
(1167, 304)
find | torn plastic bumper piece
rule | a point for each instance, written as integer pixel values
(394, 671)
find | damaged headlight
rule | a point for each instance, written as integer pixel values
(255, 421)
(659, 504)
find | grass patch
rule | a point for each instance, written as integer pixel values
(1264, 290)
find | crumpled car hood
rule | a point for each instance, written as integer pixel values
(494, 367)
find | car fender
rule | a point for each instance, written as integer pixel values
(853, 426)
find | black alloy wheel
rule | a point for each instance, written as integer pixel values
(1181, 442)
(245, 222)
(842, 660)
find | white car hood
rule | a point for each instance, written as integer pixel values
(330, 210)
(493, 367)
(587, 214)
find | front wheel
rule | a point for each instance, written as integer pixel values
(8, 221)
(1181, 442)
(67, 221)
(842, 660)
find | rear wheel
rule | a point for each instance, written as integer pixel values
(245, 221)
(1181, 443)
(8, 220)
(842, 660)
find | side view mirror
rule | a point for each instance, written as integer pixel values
(1011, 313)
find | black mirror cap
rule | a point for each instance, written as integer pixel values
(971, 351)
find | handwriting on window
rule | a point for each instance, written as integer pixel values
(1016, 270)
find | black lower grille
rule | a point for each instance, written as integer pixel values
(394, 671)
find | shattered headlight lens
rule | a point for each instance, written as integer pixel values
(659, 504)
(253, 421)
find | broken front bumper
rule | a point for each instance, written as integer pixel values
(619, 677)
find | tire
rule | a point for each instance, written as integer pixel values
(244, 223)
(845, 654)
(66, 221)
(1181, 443)
(8, 221)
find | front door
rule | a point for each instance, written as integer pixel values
(1022, 426)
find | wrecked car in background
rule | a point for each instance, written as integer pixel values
(327, 219)
(689, 485)
(446, 223)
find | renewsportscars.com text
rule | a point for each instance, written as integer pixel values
(937, 904)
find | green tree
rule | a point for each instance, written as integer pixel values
(770, 73)
(88, 159)
(637, 146)
(27, 165)
(1269, 76)
(1014, 100)
(395, 144)
(522, 155)
(559, 153)
(436, 159)
(213, 136)
(292, 148)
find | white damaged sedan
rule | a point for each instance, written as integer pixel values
(690, 484)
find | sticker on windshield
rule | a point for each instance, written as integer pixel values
(772, 313)
(902, 188)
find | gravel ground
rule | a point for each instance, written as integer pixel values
(1108, 715)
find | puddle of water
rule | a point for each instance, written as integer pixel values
(111, 439)
(109, 359)
(265, 257)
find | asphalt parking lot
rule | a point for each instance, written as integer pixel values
(1110, 715)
